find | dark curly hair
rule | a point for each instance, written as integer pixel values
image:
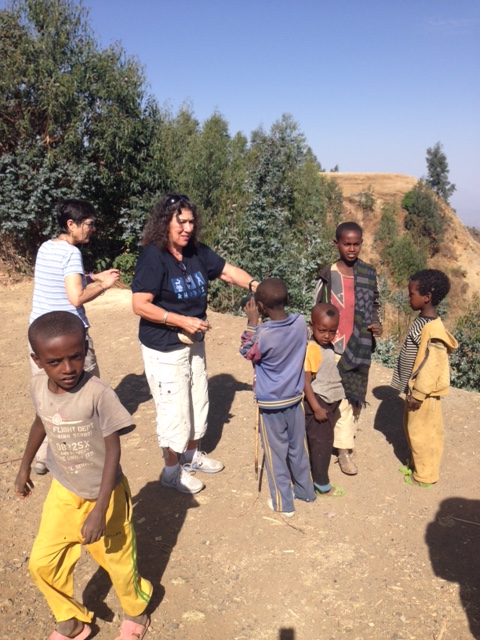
(157, 228)
(432, 281)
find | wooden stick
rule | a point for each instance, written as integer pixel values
(442, 631)
(467, 521)
(257, 426)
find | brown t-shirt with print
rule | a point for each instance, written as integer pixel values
(76, 424)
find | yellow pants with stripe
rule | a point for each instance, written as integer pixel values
(58, 547)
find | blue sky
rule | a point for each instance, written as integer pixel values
(372, 83)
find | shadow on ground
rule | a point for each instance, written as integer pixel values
(453, 540)
(159, 513)
(158, 516)
(389, 419)
(221, 390)
(133, 391)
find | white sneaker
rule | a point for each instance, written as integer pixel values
(201, 462)
(182, 481)
(287, 514)
(40, 468)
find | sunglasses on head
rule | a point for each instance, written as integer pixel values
(176, 198)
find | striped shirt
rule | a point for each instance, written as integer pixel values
(408, 353)
(55, 261)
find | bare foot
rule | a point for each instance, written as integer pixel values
(329, 492)
(70, 628)
(141, 619)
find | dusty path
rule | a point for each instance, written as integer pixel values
(387, 562)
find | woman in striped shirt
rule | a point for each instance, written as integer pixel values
(60, 283)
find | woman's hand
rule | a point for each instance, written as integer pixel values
(142, 304)
(107, 278)
(193, 325)
(77, 295)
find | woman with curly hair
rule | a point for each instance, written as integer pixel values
(170, 289)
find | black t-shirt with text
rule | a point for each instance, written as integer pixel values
(179, 287)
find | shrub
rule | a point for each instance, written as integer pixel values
(465, 361)
(386, 351)
(405, 259)
(366, 199)
(424, 218)
(126, 263)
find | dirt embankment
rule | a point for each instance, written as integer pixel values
(459, 255)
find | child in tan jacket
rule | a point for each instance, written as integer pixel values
(423, 374)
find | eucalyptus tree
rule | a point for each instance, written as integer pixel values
(438, 171)
(75, 118)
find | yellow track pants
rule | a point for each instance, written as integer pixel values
(58, 547)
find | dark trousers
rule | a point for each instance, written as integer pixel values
(320, 439)
(286, 456)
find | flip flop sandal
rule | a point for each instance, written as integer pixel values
(130, 630)
(336, 493)
(84, 633)
(406, 470)
(414, 483)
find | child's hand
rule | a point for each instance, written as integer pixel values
(413, 404)
(23, 485)
(93, 527)
(376, 329)
(321, 414)
(251, 311)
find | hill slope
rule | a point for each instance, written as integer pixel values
(460, 253)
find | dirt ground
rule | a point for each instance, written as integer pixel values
(386, 562)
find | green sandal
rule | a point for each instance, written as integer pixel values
(415, 483)
(336, 493)
(406, 470)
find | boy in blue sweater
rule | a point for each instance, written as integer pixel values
(277, 351)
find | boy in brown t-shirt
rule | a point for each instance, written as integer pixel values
(89, 501)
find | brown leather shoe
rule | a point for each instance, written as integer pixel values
(347, 465)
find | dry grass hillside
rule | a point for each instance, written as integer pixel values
(460, 252)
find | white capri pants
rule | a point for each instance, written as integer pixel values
(179, 386)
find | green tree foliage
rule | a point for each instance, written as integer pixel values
(405, 259)
(68, 105)
(75, 121)
(366, 199)
(215, 176)
(438, 171)
(284, 230)
(29, 218)
(465, 361)
(387, 232)
(386, 351)
(424, 219)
